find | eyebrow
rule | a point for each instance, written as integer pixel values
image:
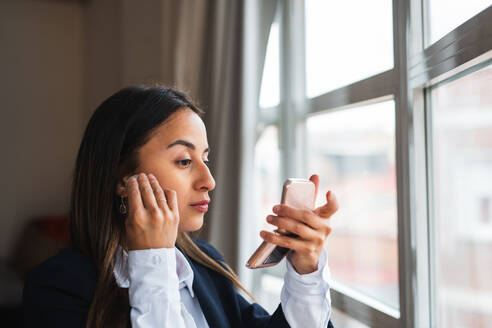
(186, 144)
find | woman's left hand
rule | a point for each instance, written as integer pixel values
(311, 227)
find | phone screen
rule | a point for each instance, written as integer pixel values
(277, 255)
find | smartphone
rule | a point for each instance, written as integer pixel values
(298, 193)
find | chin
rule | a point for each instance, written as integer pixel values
(192, 223)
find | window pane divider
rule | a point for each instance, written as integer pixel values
(363, 308)
(466, 42)
(377, 87)
(405, 180)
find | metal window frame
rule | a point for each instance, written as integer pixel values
(292, 112)
(458, 52)
(433, 283)
(416, 67)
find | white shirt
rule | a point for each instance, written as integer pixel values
(160, 281)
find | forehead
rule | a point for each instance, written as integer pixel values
(183, 124)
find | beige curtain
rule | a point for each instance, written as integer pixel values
(210, 64)
(207, 64)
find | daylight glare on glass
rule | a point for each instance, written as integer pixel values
(445, 15)
(354, 151)
(346, 41)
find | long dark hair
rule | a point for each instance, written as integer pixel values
(108, 152)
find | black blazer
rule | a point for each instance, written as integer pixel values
(58, 293)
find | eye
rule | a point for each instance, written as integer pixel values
(184, 162)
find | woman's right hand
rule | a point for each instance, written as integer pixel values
(153, 216)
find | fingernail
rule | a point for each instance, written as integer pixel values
(262, 233)
(276, 208)
(269, 218)
(135, 176)
(151, 176)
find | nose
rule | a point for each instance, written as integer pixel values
(206, 181)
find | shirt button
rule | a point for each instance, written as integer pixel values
(156, 259)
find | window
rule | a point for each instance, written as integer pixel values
(390, 103)
(346, 41)
(267, 179)
(269, 91)
(461, 178)
(445, 15)
(354, 152)
(345, 321)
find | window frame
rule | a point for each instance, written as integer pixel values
(433, 281)
(416, 67)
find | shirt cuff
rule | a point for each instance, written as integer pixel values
(314, 283)
(305, 298)
(152, 273)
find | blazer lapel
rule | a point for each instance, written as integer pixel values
(207, 295)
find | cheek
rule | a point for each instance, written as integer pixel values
(171, 179)
(181, 204)
(181, 195)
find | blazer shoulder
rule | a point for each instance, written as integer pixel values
(59, 291)
(68, 271)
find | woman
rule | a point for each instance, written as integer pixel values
(141, 182)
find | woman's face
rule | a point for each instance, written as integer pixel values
(177, 154)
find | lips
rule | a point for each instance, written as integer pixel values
(201, 206)
(203, 202)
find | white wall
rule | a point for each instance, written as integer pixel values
(42, 93)
(58, 61)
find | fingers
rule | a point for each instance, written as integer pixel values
(150, 223)
(146, 191)
(172, 200)
(159, 194)
(134, 198)
(293, 226)
(329, 208)
(302, 215)
(315, 179)
(284, 241)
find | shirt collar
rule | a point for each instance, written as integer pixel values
(183, 270)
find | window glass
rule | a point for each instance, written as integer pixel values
(267, 178)
(353, 151)
(267, 193)
(269, 289)
(341, 319)
(270, 87)
(445, 15)
(462, 199)
(346, 41)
